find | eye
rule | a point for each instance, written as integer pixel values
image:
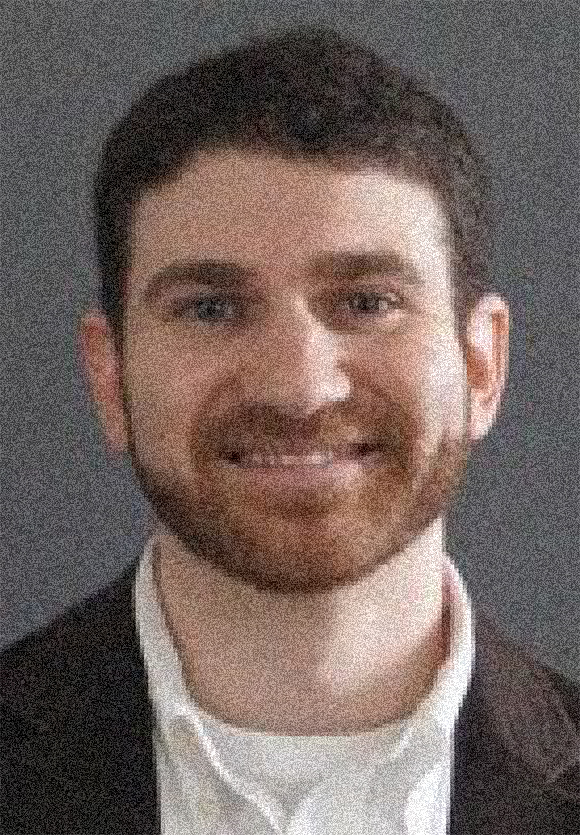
(375, 303)
(200, 307)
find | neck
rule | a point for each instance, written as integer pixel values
(339, 663)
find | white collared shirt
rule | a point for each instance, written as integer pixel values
(215, 778)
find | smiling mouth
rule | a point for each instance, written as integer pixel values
(321, 459)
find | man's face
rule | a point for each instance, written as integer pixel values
(303, 351)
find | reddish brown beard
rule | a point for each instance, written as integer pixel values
(423, 488)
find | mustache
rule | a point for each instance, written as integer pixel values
(398, 436)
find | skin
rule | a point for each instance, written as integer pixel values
(315, 612)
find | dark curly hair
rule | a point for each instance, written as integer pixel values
(308, 93)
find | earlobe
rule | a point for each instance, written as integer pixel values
(487, 355)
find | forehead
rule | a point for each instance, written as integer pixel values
(262, 210)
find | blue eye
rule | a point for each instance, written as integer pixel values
(202, 305)
(391, 299)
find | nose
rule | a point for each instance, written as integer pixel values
(294, 365)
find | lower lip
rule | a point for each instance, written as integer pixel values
(305, 477)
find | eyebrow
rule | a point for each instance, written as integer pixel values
(337, 266)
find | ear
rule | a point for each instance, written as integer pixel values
(103, 376)
(487, 359)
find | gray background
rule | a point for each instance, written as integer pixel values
(72, 517)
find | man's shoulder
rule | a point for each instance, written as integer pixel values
(503, 655)
(519, 727)
(46, 669)
(75, 723)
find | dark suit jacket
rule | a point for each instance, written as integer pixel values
(77, 751)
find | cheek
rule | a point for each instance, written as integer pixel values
(174, 400)
(162, 405)
(435, 380)
(444, 389)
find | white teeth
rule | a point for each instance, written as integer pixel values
(319, 459)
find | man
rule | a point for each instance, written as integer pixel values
(298, 347)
